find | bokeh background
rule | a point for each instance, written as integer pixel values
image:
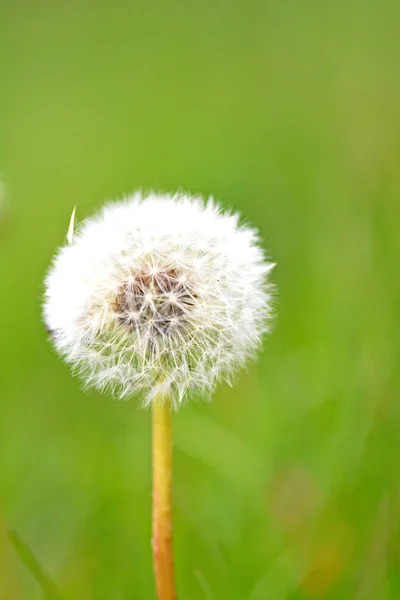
(286, 486)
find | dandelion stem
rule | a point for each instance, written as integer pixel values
(162, 502)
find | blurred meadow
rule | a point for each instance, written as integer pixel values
(287, 485)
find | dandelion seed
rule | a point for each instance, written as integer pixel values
(70, 233)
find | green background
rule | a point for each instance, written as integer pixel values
(286, 486)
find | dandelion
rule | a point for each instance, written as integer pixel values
(160, 296)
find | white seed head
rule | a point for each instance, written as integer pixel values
(162, 294)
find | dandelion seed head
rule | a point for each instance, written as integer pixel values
(159, 295)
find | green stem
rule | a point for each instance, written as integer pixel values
(28, 558)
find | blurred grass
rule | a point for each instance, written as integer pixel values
(286, 487)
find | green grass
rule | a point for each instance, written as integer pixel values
(286, 486)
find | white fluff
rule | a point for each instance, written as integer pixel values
(160, 294)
